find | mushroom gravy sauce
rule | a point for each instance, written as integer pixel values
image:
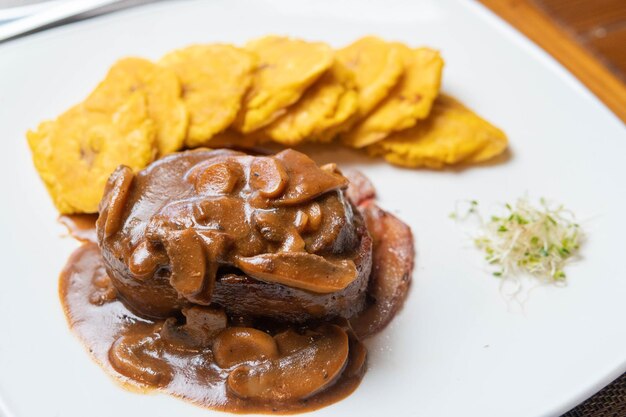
(299, 369)
(213, 356)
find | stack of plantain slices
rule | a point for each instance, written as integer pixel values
(382, 97)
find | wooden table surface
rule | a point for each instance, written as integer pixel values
(587, 36)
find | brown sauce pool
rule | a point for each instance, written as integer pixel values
(188, 373)
(315, 364)
(81, 227)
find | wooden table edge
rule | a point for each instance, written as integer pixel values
(545, 32)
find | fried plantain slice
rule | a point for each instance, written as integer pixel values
(286, 68)
(452, 134)
(410, 100)
(324, 106)
(163, 93)
(76, 153)
(214, 80)
(377, 65)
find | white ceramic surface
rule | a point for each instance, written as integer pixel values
(456, 349)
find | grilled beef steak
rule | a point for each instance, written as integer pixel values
(269, 236)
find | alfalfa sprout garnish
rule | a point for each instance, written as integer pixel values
(524, 238)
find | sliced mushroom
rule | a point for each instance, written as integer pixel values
(331, 168)
(270, 224)
(358, 357)
(301, 221)
(189, 265)
(268, 177)
(293, 241)
(392, 267)
(303, 372)
(145, 260)
(237, 345)
(300, 169)
(291, 341)
(218, 178)
(112, 207)
(201, 326)
(333, 233)
(138, 357)
(274, 228)
(300, 270)
(358, 351)
(315, 217)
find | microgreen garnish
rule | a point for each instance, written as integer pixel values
(538, 240)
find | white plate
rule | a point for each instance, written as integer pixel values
(456, 348)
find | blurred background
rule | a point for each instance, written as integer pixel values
(599, 25)
(586, 36)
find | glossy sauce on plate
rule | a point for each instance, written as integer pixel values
(213, 357)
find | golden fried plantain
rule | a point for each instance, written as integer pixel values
(76, 153)
(324, 106)
(452, 134)
(286, 68)
(377, 65)
(214, 79)
(163, 94)
(410, 100)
